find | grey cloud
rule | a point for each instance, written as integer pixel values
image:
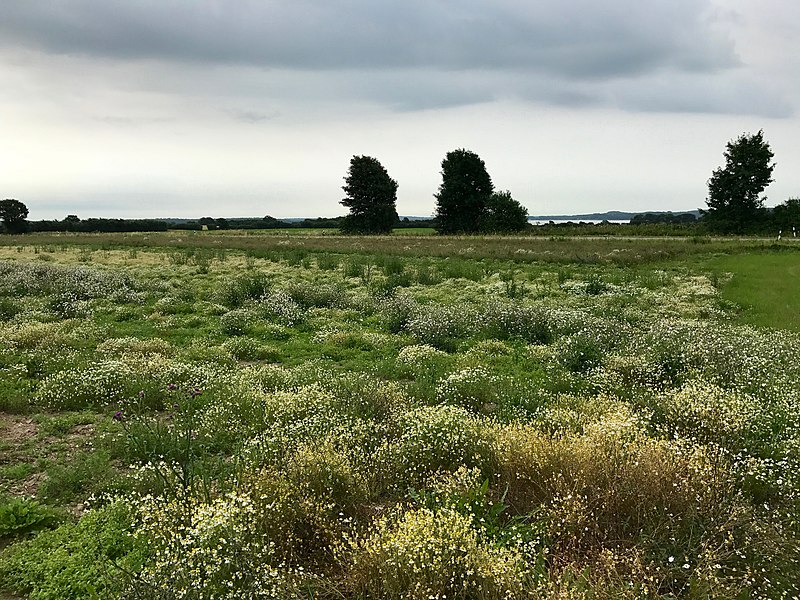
(581, 39)
(269, 58)
(697, 94)
(251, 116)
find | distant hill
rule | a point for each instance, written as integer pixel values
(612, 215)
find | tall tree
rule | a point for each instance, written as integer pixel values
(371, 196)
(504, 214)
(465, 189)
(13, 213)
(734, 205)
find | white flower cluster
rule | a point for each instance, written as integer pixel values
(209, 551)
(79, 282)
(281, 307)
(100, 384)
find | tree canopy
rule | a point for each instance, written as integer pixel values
(371, 196)
(786, 216)
(463, 194)
(734, 204)
(503, 214)
(13, 213)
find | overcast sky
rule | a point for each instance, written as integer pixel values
(187, 108)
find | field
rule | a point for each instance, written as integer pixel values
(231, 415)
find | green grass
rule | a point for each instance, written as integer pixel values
(414, 231)
(766, 287)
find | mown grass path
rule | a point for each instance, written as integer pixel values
(765, 285)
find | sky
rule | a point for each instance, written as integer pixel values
(190, 108)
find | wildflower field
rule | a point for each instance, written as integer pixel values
(211, 417)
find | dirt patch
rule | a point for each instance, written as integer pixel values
(16, 430)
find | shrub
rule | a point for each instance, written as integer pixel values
(362, 396)
(435, 438)
(237, 322)
(441, 325)
(503, 320)
(275, 425)
(101, 384)
(280, 306)
(202, 350)
(473, 388)
(579, 353)
(321, 295)
(422, 362)
(76, 282)
(245, 348)
(396, 312)
(207, 550)
(704, 411)
(242, 288)
(600, 494)
(9, 308)
(117, 347)
(423, 554)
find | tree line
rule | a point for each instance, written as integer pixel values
(467, 203)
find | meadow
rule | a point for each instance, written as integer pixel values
(228, 415)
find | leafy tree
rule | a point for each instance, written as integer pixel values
(786, 216)
(504, 214)
(465, 189)
(733, 200)
(13, 213)
(371, 197)
(209, 222)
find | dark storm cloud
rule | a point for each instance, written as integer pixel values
(583, 39)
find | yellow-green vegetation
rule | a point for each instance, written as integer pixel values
(285, 416)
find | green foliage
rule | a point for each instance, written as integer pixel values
(503, 214)
(238, 321)
(86, 474)
(463, 194)
(245, 287)
(13, 213)
(734, 205)
(8, 308)
(22, 515)
(764, 288)
(246, 348)
(74, 561)
(580, 352)
(786, 217)
(371, 196)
